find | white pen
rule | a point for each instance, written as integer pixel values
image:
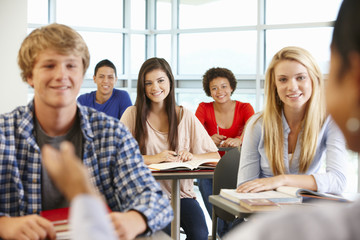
(218, 132)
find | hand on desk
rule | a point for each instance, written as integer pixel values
(26, 227)
(168, 156)
(261, 184)
(185, 156)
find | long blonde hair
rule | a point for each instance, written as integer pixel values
(315, 112)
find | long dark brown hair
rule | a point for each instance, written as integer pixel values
(143, 104)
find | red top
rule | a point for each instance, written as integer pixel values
(206, 114)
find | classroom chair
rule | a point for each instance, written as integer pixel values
(225, 176)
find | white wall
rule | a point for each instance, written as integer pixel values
(13, 27)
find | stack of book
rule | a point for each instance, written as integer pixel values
(59, 217)
(260, 204)
(272, 200)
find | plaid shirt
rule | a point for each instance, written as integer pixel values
(111, 156)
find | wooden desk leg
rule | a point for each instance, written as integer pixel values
(214, 224)
(175, 203)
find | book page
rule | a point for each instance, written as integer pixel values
(169, 165)
(265, 194)
(292, 191)
(197, 162)
(190, 165)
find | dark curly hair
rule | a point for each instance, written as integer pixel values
(213, 73)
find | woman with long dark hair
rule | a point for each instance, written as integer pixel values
(167, 132)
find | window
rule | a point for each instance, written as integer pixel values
(302, 37)
(305, 11)
(90, 13)
(38, 11)
(103, 45)
(215, 14)
(234, 50)
(193, 36)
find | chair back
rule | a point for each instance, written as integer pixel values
(225, 176)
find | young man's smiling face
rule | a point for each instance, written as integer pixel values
(56, 79)
(105, 80)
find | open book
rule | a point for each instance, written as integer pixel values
(282, 195)
(189, 165)
(309, 194)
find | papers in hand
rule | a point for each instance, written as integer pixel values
(189, 165)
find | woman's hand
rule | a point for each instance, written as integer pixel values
(218, 139)
(185, 156)
(166, 156)
(261, 184)
(231, 142)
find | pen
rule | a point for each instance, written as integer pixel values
(218, 132)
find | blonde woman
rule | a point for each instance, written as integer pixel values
(285, 145)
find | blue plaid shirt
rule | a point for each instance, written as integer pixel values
(110, 153)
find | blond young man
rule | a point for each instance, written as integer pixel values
(53, 60)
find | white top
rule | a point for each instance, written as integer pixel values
(89, 219)
(330, 147)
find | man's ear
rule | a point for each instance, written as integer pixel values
(94, 78)
(30, 81)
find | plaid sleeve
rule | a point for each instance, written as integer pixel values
(137, 187)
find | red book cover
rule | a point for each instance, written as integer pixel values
(59, 215)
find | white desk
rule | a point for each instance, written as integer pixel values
(175, 194)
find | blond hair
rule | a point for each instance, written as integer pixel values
(58, 37)
(315, 112)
